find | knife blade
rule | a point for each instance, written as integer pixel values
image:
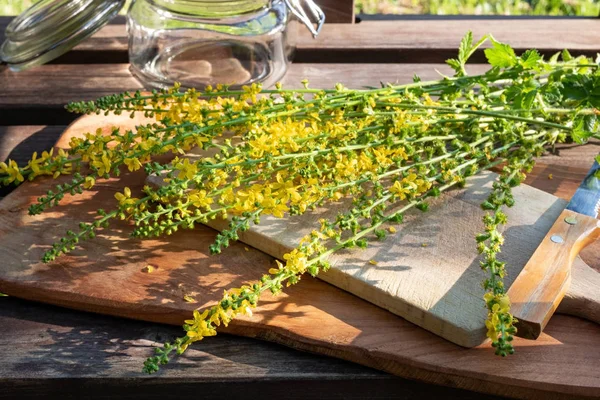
(586, 199)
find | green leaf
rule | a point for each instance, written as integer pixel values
(528, 99)
(579, 133)
(501, 55)
(575, 92)
(455, 65)
(465, 47)
(554, 58)
(566, 56)
(590, 123)
(530, 58)
(598, 158)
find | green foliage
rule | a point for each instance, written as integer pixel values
(465, 51)
(500, 55)
(440, 7)
(480, 7)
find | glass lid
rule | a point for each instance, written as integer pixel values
(50, 28)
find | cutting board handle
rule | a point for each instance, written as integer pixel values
(542, 284)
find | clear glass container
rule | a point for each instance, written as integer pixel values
(205, 42)
(193, 42)
(50, 28)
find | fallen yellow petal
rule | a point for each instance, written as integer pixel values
(148, 269)
(189, 299)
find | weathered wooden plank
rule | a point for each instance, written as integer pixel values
(38, 96)
(408, 39)
(47, 350)
(54, 85)
(19, 142)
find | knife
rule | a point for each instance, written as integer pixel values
(540, 287)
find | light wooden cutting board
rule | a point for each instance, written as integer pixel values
(106, 276)
(429, 270)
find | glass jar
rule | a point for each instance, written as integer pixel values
(205, 42)
(193, 42)
(50, 28)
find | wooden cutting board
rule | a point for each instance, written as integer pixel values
(429, 272)
(106, 276)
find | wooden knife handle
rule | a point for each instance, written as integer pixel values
(543, 282)
(583, 297)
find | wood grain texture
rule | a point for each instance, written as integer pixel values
(546, 278)
(60, 353)
(312, 316)
(38, 96)
(585, 282)
(57, 84)
(406, 40)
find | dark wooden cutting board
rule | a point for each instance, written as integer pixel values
(106, 276)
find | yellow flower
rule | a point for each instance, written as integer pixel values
(491, 326)
(400, 190)
(199, 328)
(132, 163)
(287, 190)
(197, 317)
(504, 303)
(274, 271)
(35, 164)
(296, 261)
(89, 182)
(382, 158)
(122, 197)
(220, 316)
(199, 199)
(12, 170)
(186, 169)
(102, 164)
(126, 202)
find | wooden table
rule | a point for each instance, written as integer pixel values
(47, 350)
